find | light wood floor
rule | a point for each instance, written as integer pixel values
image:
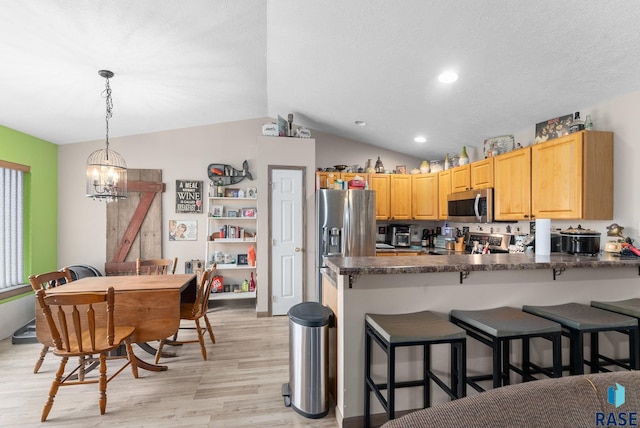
(239, 385)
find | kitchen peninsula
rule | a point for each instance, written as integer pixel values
(354, 286)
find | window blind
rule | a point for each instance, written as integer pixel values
(11, 227)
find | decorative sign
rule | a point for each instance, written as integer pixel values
(183, 230)
(188, 196)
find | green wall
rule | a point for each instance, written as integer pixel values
(41, 208)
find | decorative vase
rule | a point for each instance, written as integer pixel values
(446, 162)
(369, 168)
(464, 158)
(424, 167)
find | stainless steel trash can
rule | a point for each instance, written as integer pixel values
(307, 391)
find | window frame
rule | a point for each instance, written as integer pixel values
(19, 289)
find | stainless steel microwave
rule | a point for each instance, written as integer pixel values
(471, 206)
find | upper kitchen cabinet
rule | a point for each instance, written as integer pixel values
(400, 197)
(381, 184)
(444, 188)
(476, 175)
(460, 178)
(572, 177)
(424, 190)
(482, 174)
(512, 185)
(325, 179)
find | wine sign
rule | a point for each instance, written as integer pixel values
(189, 196)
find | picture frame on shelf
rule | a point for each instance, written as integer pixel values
(232, 213)
(231, 193)
(242, 259)
(248, 212)
(252, 192)
(401, 169)
(217, 210)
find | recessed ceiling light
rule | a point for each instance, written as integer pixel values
(360, 123)
(420, 139)
(448, 77)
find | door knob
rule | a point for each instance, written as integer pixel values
(297, 249)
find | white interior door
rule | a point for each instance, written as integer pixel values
(287, 239)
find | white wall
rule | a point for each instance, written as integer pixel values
(180, 154)
(332, 150)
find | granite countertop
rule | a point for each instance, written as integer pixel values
(471, 262)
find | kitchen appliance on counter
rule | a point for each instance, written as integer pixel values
(399, 235)
(576, 240)
(471, 206)
(496, 242)
(345, 226)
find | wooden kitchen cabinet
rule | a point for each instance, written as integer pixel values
(481, 173)
(572, 177)
(444, 188)
(324, 179)
(347, 176)
(512, 185)
(400, 197)
(424, 192)
(460, 178)
(476, 175)
(381, 184)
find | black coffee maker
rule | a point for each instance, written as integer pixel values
(425, 238)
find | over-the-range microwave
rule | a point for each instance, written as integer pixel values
(471, 206)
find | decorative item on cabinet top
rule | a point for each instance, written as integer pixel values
(553, 128)
(498, 145)
(228, 174)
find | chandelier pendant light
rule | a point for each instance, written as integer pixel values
(106, 169)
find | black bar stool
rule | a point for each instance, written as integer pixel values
(414, 329)
(496, 328)
(629, 307)
(576, 320)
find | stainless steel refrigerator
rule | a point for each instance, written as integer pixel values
(346, 226)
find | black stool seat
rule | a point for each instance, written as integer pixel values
(582, 317)
(506, 321)
(577, 319)
(496, 328)
(630, 307)
(415, 329)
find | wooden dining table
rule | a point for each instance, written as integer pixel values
(150, 303)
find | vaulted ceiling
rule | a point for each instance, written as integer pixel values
(187, 63)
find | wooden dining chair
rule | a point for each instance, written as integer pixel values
(195, 312)
(45, 281)
(156, 266)
(71, 318)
